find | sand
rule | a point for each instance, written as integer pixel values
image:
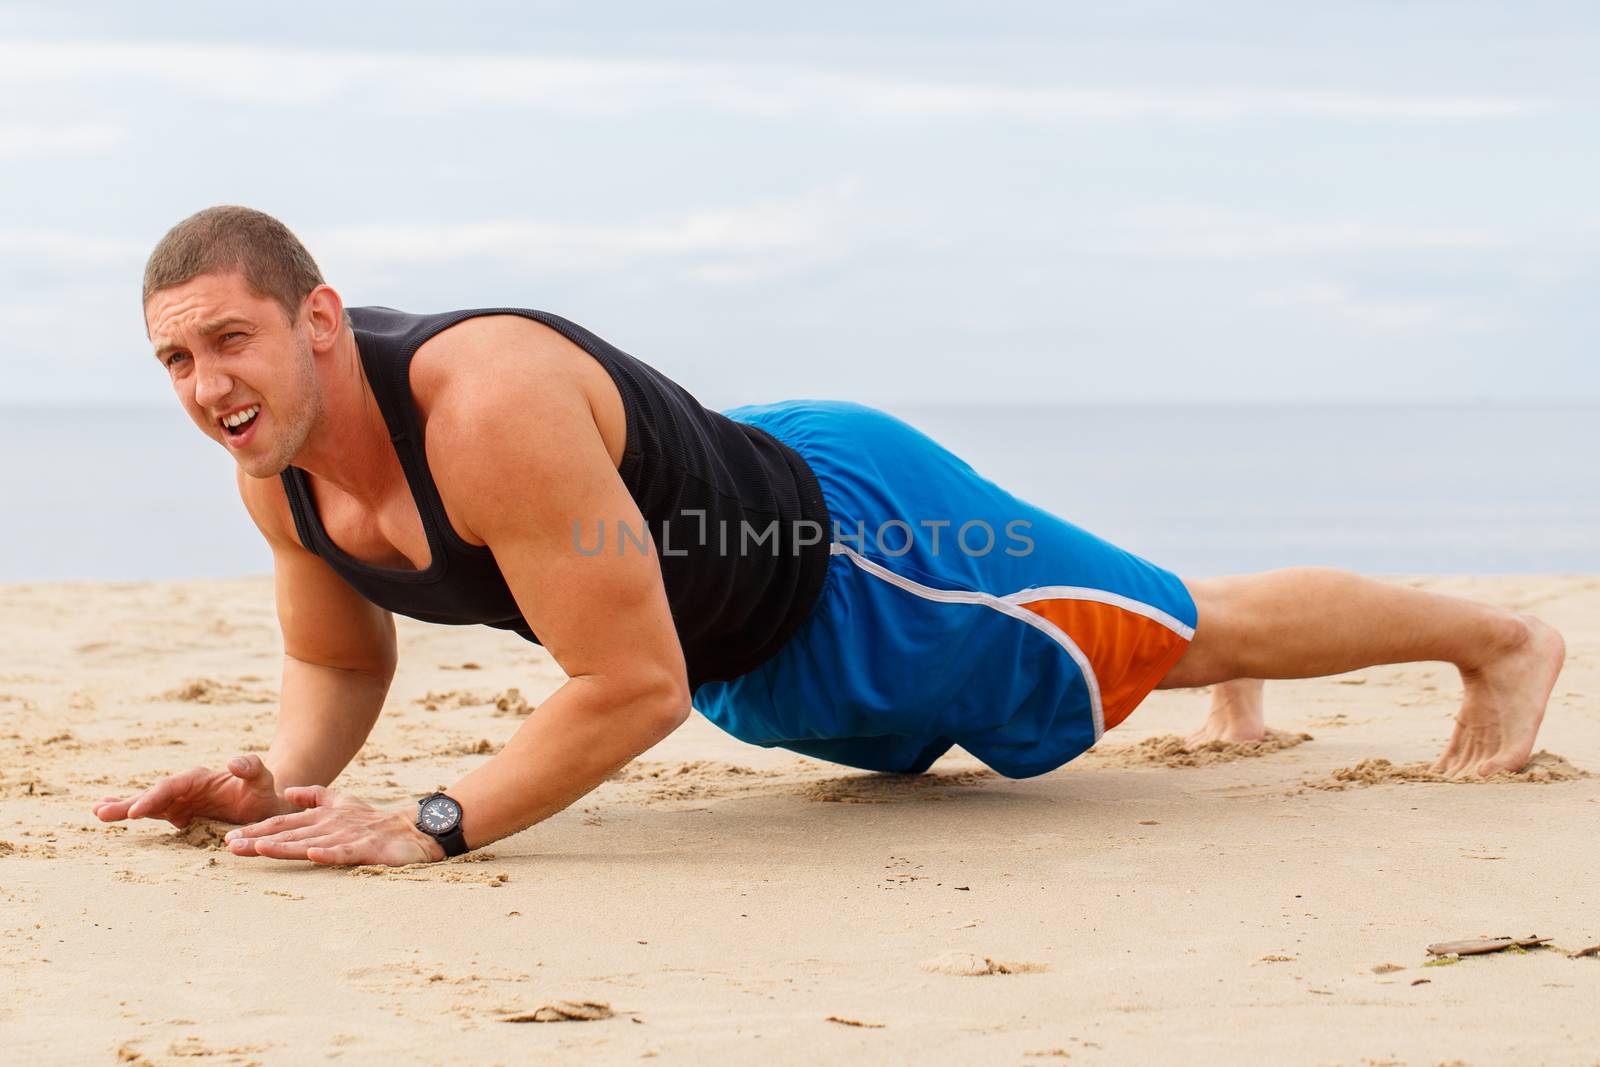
(1268, 903)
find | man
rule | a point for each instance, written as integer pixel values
(780, 567)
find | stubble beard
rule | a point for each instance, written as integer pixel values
(292, 426)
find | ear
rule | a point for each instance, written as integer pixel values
(325, 311)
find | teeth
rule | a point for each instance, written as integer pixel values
(242, 417)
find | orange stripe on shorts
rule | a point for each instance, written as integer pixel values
(1130, 653)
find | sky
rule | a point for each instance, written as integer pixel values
(932, 203)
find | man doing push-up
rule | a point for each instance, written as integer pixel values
(815, 575)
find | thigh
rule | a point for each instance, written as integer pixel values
(1209, 658)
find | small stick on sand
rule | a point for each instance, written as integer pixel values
(1480, 946)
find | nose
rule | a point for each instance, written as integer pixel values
(211, 383)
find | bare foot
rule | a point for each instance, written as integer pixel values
(1504, 705)
(1238, 713)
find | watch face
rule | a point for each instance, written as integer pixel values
(439, 815)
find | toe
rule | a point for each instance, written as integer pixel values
(1503, 763)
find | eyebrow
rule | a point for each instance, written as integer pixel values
(206, 330)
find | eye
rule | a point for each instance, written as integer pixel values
(172, 359)
(231, 333)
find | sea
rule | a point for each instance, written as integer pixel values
(139, 494)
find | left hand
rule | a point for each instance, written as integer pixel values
(336, 829)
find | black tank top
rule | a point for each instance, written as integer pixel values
(739, 579)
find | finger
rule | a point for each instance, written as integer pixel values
(277, 824)
(336, 855)
(303, 834)
(242, 846)
(309, 796)
(111, 810)
(151, 800)
(158, 796)
(275, 849)
(247, 767)
(272, 848)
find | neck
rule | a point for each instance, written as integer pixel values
(350, 447)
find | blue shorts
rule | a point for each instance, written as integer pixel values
(952, 613)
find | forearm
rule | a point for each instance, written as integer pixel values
(575, 740)
(324, 718)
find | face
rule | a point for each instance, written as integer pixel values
(245, 374)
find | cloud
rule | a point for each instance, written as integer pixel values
(1377, 316)
(405, 82)
(910, 100)
(1183, 231)
(729, 244)
(32, 141)
(72, 249)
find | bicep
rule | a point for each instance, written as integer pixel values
(323, 619)
(541, 498)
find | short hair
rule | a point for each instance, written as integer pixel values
(225, 238)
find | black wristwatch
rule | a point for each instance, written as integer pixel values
(439, 817)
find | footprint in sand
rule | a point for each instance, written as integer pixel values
(1543, 768)
(461, 870)
(454, 698)
(1334, 721)
(1169, 750)
(28, 784)
(190, 1045)
(22, 702)
(211, 691)
(891, 788)
(972, 965)
(664, 782)
(692, 780)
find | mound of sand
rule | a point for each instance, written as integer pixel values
(1544, 767)
(513, 703)
(202, 833)
(1170, 750)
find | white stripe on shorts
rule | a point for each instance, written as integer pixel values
(1006, 605)
(1101, 596)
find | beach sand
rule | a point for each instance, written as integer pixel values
(717, 900)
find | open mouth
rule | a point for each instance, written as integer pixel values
(239, 423)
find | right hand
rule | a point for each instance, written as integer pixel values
(243, 793)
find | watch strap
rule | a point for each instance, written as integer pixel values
(454, 843)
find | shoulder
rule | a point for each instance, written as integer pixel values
(499, 374)
(268, 506)
(505, 398)
(497, 366)
(481, 357)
